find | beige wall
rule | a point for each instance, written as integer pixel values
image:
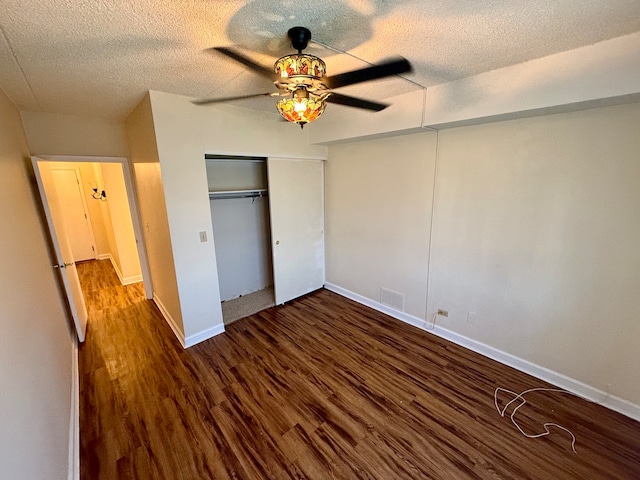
(100, 217)
(378, 216)
(121, 223)
(153, 213)
(54, 134)
(535, 229)
(105, 214)
(36, 346)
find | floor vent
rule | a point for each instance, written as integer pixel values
(392, 299)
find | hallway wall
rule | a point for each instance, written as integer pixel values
(36, 343)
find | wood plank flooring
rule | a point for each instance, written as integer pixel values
(321, 388)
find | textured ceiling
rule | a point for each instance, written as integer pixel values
(98, 57)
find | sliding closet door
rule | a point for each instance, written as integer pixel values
(296, 205)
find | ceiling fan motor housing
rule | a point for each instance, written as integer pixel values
(299, 37)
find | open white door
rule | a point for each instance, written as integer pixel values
(296, 204)
(65, 262)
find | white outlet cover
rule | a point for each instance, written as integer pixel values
(472, 317)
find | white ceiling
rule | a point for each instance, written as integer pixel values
(99, 57)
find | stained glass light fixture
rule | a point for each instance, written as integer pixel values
(303, 87)
(300, 76)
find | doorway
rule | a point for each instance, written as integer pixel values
(268, 227)
(103, 192)
(239, 203)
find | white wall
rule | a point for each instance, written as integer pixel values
(153, 214)
(224, 175)
(378, 198)
(121, 223)
(536, 230)
(606, 73)
(243, 245)
(36, 346)
(184, 133)
(55, 134)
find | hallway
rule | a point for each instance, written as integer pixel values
(125, 334)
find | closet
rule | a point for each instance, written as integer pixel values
(268, 227)
(238, 198)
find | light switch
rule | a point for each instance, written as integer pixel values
(203, 237)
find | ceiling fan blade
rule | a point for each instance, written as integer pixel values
(246, 61)
(355, 102)
(386, 69)
(207, 101)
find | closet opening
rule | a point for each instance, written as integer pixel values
(238, 198)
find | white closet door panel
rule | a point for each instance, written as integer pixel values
(296, 204)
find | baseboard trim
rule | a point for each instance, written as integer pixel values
(131, 280)
(115, 267)
(74, 414)
(170, 320)
(192, 340)
(570, 384)
(123, 280)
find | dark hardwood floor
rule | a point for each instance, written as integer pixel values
(321, 388)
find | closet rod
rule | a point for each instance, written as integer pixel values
(238, 194)
(235, 160)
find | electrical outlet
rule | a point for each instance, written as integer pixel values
(443, 313)
(472, 317)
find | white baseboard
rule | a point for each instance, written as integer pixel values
(115, 266)
(74, 414)
(570, 384)
(170, 320)
(123, 280)
(131, 280)
(191, 340)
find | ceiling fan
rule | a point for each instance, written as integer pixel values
(303, 87)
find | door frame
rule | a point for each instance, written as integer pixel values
(133, 206)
